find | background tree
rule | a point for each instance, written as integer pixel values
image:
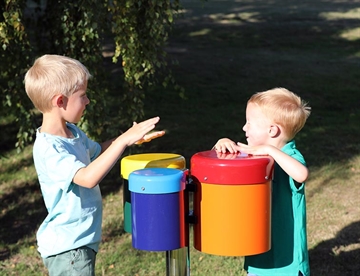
(138, 29)
(15, 58)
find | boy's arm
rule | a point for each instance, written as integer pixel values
(106, 144)
(92, 174)
(290, 165)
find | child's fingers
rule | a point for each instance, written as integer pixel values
(147, 125)
(226, 147)
(150, 136)
(151, 121)
(153, 135)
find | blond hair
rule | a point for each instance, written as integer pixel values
(52, 75)
(284, 108)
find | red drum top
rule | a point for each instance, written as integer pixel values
(226, 168)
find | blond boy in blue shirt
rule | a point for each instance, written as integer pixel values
(70, 165)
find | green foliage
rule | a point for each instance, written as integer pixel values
(15, 58)
(141, 29)
(76, 29)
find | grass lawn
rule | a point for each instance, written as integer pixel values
(228, 50)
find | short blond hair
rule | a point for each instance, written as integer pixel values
(52, 75)
(284, 108)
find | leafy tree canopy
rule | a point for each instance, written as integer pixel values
(139, 29)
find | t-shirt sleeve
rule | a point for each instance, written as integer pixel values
(298, 156)
(62, 165)
(57, 159)
(93, 147)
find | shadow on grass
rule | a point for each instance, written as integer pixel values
(23, 209)
(20, 217)
(338, 256)
(229, 50)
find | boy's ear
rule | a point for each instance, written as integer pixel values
(58, 101)
(274, 131)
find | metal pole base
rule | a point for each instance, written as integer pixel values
(177, 262)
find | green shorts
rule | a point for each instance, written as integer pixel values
(76, 262)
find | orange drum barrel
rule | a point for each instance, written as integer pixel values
(232, 203)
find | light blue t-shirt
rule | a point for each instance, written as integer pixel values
(74, 212)
(288, 254)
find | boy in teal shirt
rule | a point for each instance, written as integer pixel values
(273, 118)
(70, 165)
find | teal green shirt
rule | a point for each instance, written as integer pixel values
(288, 254)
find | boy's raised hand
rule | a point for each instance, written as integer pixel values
(150, 136)
(139, 132)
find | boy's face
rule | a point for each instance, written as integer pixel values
(257, 126)
(76, 105)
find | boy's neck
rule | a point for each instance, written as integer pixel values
(55, 126)
(279, 142)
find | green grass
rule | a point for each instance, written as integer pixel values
(227, 50)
